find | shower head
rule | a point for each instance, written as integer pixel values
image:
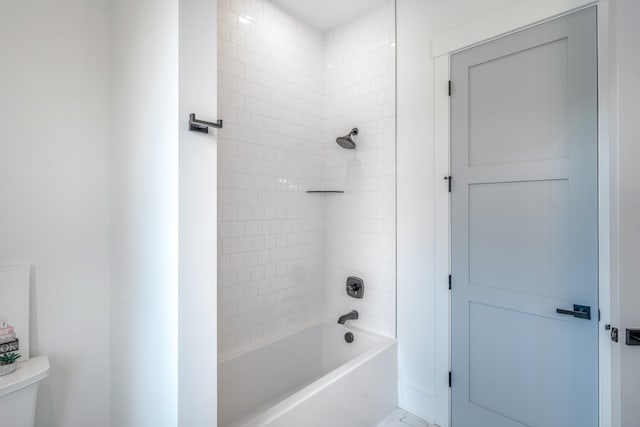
(347, 140)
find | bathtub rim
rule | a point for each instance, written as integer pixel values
(382, 343)
(277, 337)
(302, 327)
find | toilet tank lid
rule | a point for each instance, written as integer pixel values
(30, 372)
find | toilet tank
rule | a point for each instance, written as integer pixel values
(19, 392)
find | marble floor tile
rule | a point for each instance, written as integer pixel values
(401, 418)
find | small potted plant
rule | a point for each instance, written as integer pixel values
(8, 363)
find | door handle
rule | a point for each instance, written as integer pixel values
(197, 125)
(579, 311)
(633, 337)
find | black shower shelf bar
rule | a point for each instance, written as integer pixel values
(325, 191)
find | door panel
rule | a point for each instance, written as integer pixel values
(524, 227)
(504, 378)
(502, 106)
(527, 225)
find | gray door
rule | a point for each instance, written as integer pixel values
(524, 228)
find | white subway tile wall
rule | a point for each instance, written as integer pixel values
(360, 232)
(285, 92)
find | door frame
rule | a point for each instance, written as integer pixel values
(505, 21)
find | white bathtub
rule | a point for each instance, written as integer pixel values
(312, 378)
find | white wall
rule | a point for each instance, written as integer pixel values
(96, 212)
(359, 91)
(198, 367)
(144, 209)
(271, 240)
(626, 374)
(54, 135)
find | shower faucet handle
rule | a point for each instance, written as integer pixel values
(355, 287)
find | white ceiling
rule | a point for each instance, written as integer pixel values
(325, 15)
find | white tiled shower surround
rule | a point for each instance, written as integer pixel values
(360, 224)
(286, 92)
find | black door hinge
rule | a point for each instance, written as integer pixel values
(449, 179)
(449, 379)
(449, 282)
(449, 87)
